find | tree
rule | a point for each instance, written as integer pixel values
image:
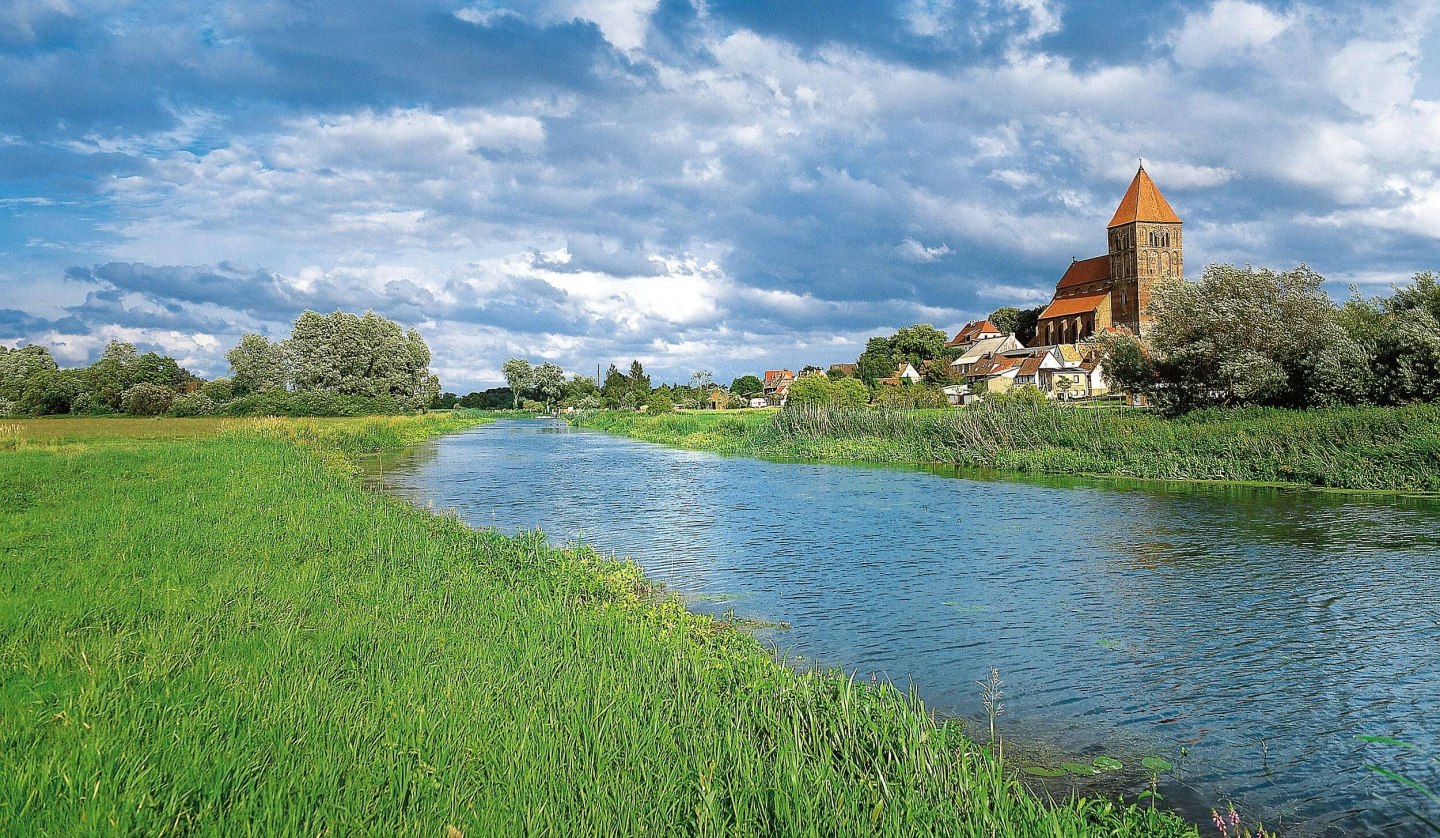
(1251, 336)
(937, 371)
(659, 402)
(1406, 364)
(810, 391)
(747, 386)
(548, 382)
(702, 382)
(849, 393)
(917, 344)
(639, 383)
(50, 391)
(1127, 367)
(19, 366)
(146, 399)
(369, 356)
(615, 388)
(110, 376)
(444, 401)
(519, 377)
(257, 365)
(580, 388)
(1005, 318)
(877, 361)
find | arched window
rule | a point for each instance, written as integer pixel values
(1154, 263)
(1165, 263)
(1159, 238)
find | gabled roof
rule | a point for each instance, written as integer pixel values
(985, 347)
(1069, 354)
(972, 332)
(1084, 271)
(1143, 202)
(774, 376)
(1066, 306)
(992, 366)
(1031, 365)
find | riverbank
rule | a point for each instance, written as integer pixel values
(1363, 448)
(210, 627)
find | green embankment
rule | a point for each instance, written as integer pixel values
(211, 628)
(1371, 448)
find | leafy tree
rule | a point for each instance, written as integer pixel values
(1252, 336)
(496, 398)
(849, 392)
(110, 376)
(877, 361)
(578, 389)
(639, 382)
(50, 391)
(659, 402)
(548, 382)
(809, 391)
(257, 365)
(1127, 366)
(747, 386)
(368, 356)
(917, 344)
(1005, 318)
(146, 399)
(19, 366)
(519, 377)
(938, 371)
(702, 382)
(615, 388)
(444, 401)
(1406, 365)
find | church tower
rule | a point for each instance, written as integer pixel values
(1145, 249)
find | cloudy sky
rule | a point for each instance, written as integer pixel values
(730, 185)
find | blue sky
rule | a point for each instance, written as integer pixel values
(730, 185)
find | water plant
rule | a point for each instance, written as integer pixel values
(1373, 448)
(1405, 780)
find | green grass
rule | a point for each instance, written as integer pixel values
(1366, 448)
(209, 628)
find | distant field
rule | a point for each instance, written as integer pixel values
(208, 627)
(1369, 448)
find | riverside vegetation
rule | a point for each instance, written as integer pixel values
(209, 627)
(1367, 448)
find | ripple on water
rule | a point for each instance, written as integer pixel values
(1259, 629)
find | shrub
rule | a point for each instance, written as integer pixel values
(195, 404)
(310, 403)
(1026, 394)
(910, 397)
(218, 391)
(660, 403)
(147, 399)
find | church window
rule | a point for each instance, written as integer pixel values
(1165, 264)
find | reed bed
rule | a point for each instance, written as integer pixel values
(1369, 448)
(222, 633)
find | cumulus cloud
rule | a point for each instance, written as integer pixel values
(730, 183)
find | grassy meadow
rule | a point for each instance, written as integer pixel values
(1366, 448)
(209, 627)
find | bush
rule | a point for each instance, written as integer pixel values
(50, 392)
(910, 397)
(310, 403)
(8, 407)
(147, 399)
(218, 391)
(660, 403)
(195, 404)
(532, 406)
(1026, 394)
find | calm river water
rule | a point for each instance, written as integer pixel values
(1248, 635)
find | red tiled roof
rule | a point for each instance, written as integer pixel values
(992, 366)
(1085, 271)
(1143, 202)
(772, 376)
(1073, 305)
(972, 331)
(847, 369)
(1031, 365)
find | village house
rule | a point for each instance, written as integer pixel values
(905, 373)
(777, 386)
(973, 332)
(719, 399)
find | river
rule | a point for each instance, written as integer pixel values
(1246, 634)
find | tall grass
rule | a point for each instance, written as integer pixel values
(1375, 448)
(220, 633)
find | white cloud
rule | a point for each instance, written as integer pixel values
(914, 251)
(1228, 32)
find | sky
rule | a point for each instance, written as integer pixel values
(720, 185)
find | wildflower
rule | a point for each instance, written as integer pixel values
(1219, 820)
(1234, 816)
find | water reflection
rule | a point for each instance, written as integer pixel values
(1258, 629)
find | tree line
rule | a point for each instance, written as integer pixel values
(331, 364)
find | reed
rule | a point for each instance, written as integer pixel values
(1369, 448)
(218, 632)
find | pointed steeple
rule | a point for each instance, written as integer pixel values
(1143, 202)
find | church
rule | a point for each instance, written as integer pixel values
(1113, 291)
